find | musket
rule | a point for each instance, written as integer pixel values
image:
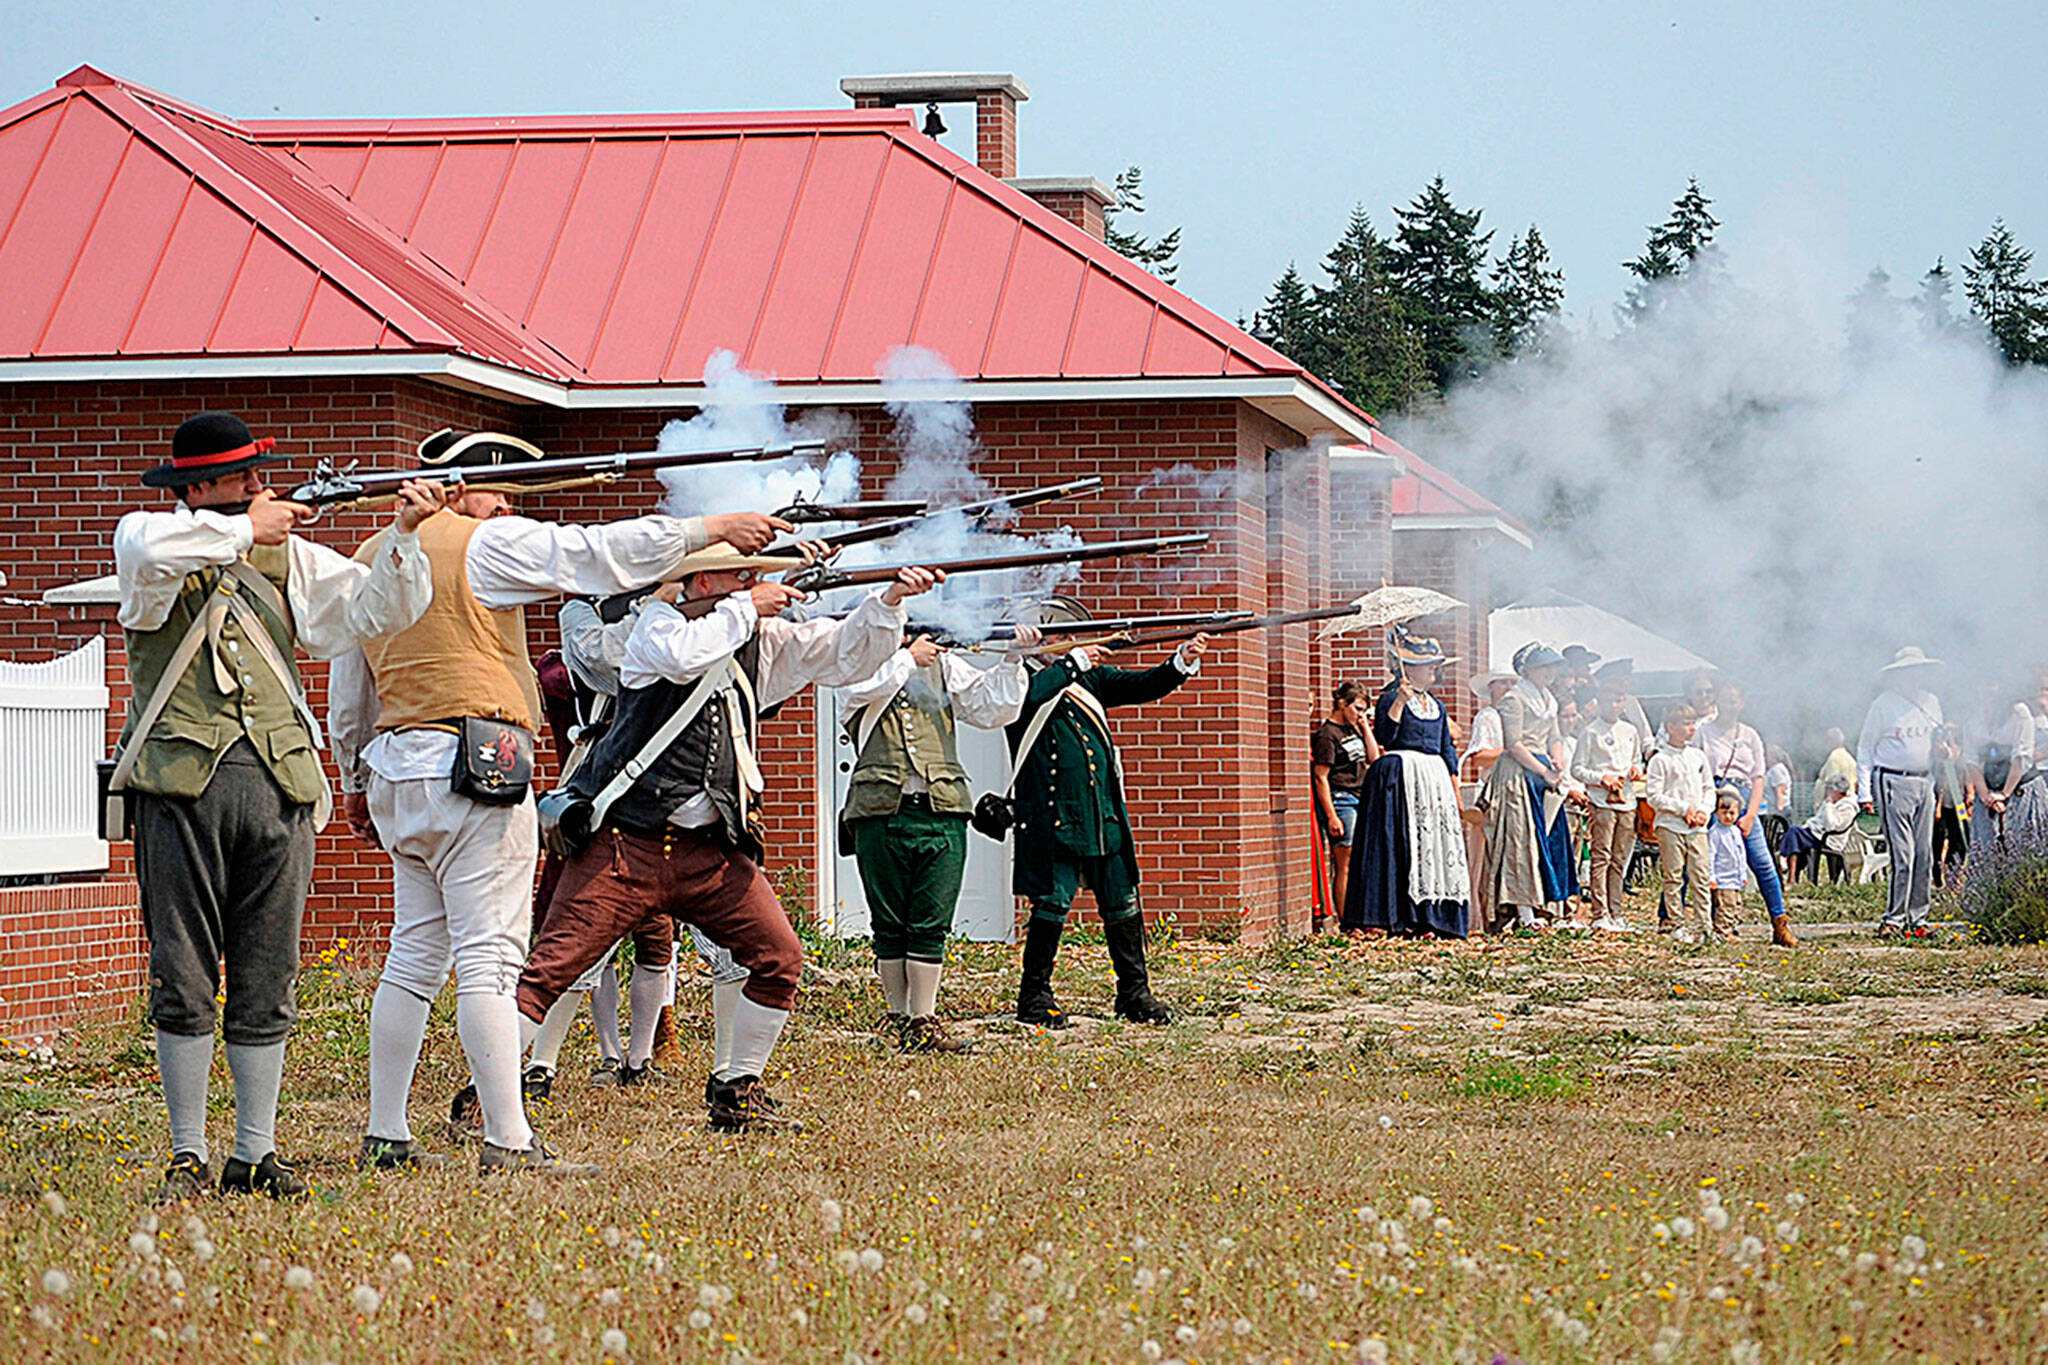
(333, 486)
(971, 511)
(1002, 632)
(804, 513)
(824, 576)
(1232, 627)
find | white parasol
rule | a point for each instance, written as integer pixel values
(1389, 606)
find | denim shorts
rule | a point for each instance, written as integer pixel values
(1347, 811)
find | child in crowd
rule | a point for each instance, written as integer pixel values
(1608, 761)
(1728, 862)
(1682, 794)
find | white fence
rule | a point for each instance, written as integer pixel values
(53, 733)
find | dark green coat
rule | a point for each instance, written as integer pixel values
(1069, 802)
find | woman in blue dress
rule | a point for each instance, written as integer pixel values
(1408, 871)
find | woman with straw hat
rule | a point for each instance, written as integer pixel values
(1408, 872)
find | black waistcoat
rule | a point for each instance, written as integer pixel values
(700, 760)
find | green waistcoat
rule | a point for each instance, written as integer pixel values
(200, 722)
(915, 737)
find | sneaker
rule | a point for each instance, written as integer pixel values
(1608, 924)
(647, 1073)
(394, 1154)
(466, 1116)
(928, 1033)
(272, 1176)
(743, 1105)
(537, 1084)
(606, 1072)
(185, 1179)
(534, 1160)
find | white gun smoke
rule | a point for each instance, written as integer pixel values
(741, 410)
(1788, 485)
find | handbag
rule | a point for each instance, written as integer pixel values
(493, 761)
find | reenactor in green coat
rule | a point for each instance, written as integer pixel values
(1072, 826)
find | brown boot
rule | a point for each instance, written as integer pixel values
(928, 1033)
(668, 1052)
(1781, 932)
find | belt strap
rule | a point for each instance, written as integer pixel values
(1037, 728)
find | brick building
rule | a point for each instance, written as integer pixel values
(352, 286)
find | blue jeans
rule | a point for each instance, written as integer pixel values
(1764, 868)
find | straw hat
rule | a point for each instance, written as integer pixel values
(1911, 657)
(720, 557)
(1482, 684)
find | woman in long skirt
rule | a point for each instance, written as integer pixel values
(1408, 872)
(1529, 861)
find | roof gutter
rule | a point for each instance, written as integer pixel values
(1477, 521)
(1294, 402)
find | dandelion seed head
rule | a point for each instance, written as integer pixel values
(1787, 1230)
(148, 1223)
(543, 1335)
(366, 1300)
(1226, 1244)
(1242, 1327)
(1795, 1201)
(1913, 1248)
(1419, 1207)
(1682, 1227)
(1367, 1215)
(43, 1317)
(400, 1263)
(847, 1260)
(611, 1236)
(1661, 1231)
(1035, 1315)
(1866, 1261)
(298, 1277)
(56, 1283)
(709, 1296)
(699, 1319)
(54, 1202)
(1151, 1349)
(1030, 1265)
(1746, 1353)
(536, 1311)
(871, 1259)
(1373, 1351)
(1386, 1123)
(609, 1298)
(613, 1341)
(174, 1279)
(1186, 1333)
(143, 1244)
(1145, 1280)
(800, 1318)
(1440, 1223)
(190, 1334)
(916, 1315)
(1715, 1217)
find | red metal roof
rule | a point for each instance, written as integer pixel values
(1423, 490)
(609, 250)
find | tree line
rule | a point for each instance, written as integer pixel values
(1396, 320)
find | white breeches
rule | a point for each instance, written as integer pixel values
(462, 882)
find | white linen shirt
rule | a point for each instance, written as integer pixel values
(1679, 782)
(510, 562)
(1607, 749)
(335, 602)
(667, 646)
(986, 698)
(1898, 733)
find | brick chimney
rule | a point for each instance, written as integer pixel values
(994, 95)
(1080, 199)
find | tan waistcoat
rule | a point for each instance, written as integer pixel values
(460, 658)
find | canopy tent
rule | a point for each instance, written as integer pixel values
(1558, 620)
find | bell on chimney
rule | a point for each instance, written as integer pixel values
(933, 124)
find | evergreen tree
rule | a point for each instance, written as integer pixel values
(1363, 345)
(1155, 255)
(1874, 312)
(1937, 314)
(1436, 264)
(1288, 321)
(2013, 308)
(1528, 292)
(1673, 250)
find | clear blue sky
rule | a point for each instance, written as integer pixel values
(1874, 134)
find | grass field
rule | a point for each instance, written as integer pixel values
(1546, 1149)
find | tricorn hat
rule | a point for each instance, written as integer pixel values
(475, 449)
(209, 446)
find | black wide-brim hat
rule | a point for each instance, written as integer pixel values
(210, 446)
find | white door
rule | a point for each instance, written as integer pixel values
(985, 914)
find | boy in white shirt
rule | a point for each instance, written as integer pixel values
(1608, 761)
(1728, 861)
(1682, 793)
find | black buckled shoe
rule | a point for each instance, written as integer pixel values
(185, 1179)
(743, 1105)
(1126, 940)
(606, 1072)
(647, 1073)
(533, 1160)
(1035, 1003)
(537, 1084)
(466, 1116)
(394, 1154)
(273, 1176)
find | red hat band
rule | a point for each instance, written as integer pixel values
(262, 447)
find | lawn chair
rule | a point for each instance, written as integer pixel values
(1866, 855)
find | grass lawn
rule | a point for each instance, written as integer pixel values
(1552, 1149)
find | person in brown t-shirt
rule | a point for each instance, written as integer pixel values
(1340, 750)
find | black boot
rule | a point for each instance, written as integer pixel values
(1035, 1004)
(1126, 940)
